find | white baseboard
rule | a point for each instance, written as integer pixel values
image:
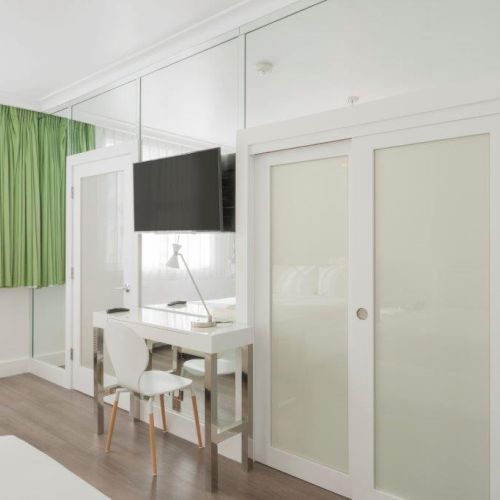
(56, 358)
(49, 372)
(14, 367)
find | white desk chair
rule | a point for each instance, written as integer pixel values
(225, 366)
(130, 357)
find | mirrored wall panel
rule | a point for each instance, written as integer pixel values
(189, 106)
(432, 355)
(316, 59)
(109, 118)
(48, 301)
(309, 310)
(192, 104)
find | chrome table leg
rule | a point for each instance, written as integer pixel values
(99, 377)
(177, 367)
(211, 471)
(247, 407)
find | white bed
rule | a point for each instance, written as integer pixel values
(27, 474)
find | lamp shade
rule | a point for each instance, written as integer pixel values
(173, 262)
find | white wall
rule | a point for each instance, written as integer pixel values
(15, 317)
(48, 324)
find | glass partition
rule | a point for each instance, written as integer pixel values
(188, 106)
(48, 302)
(104, 120)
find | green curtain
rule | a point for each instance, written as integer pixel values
(52, 144)
(20, 256)
(82, 137)
(53, 147)
(33, 148)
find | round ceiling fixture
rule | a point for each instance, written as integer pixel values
(264, 68)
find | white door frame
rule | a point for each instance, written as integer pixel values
(77, 167)
(468, 110)
(308, 470)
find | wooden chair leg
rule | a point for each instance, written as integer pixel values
(196, 420)
(152, 442)
(111, 426)
(163, 412)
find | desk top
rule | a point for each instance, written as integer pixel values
(221, 309)
(175, 329)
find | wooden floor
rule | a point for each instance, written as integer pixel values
(61, 424)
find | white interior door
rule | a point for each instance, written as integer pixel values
(425, 367)
(301, 405)
(102, 247)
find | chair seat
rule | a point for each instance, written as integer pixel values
(197, 366)
(156, 382)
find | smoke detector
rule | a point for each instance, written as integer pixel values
(352, 99)
(264, 68)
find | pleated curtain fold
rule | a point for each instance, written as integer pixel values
(33, 149)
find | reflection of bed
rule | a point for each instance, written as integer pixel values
(309, 326)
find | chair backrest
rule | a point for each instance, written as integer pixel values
(128, 353)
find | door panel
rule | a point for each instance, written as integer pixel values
(309, 310)
(432, 334)
(102, 246)
(101, 253)
(301, 314)
(424, 364)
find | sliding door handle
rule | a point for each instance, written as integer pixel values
(362, 313)
(125, 288)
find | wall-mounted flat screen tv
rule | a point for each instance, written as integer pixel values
(185, 193)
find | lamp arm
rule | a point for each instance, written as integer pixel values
(196, 286)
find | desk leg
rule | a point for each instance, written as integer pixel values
(211, 467)
(247, 407)
(99, 377)
(177, 367)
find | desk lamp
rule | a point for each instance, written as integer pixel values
(173, 262)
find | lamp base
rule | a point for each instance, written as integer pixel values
(204, 323)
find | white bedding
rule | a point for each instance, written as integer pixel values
(28, 474)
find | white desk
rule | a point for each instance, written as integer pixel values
(176, 330)
(221, 309)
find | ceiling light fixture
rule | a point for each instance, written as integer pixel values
(264, 68)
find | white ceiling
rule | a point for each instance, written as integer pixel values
(47, 45)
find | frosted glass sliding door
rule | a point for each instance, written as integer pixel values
(309, 310)
(431, 321)
(301, 314)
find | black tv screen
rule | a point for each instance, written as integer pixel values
(179, 193)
